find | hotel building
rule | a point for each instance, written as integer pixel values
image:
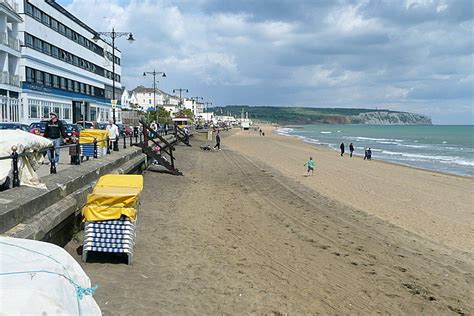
(62, 69)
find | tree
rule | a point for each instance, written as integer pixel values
(186, 112)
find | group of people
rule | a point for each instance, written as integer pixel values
(54, 131)
(368, 151)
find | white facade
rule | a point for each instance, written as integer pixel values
(129, 100)
(196, 107)
(9, 60)
(62, 70)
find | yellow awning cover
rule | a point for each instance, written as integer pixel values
(88, 136)
(112, 197)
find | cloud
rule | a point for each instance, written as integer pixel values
(413, 55)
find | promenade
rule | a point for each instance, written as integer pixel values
(235, 235)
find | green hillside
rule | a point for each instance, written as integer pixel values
(296, 115)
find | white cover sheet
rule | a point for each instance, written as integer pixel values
(27, 166)
(39, 278)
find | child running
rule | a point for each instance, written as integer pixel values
(310, 164)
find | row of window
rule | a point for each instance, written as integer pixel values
(61, 54)
(40, 109)
(59, 27)
(49, 80)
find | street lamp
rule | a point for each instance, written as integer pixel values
(113, 35)
(154, 73)
(180, 90)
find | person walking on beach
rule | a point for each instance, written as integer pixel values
(310, 165)
(218, 141)
(113, 134)
(369, 154)
(351, 149)
(342, 149)
(54, 130)
(366, 153)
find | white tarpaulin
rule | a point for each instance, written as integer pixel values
(27, 166)
(39, 278)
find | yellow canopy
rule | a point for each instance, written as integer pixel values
(112, 197)
(88, 136)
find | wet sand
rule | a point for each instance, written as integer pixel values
(243, 232)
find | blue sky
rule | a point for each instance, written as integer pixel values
(410, 55)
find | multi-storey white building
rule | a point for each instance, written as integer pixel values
(9, 59)
(62, 69)
(145, 98)
(196, 107)
(129, 100)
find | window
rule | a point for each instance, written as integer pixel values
(55, 81)
(54, 24)
(55, 51)
(38, 44)
(37, 13)
(83, 88)
(76, 86)
(93, 113)
(29, 9)
(33, 111)
(82, 40)
(67, 113)
(62, 28)
(47, 48)
(47, 80)
(68, 32)
(39, 77)
(63, 55)
(63, 83)
(70, 85)
(45, 19)
(75, 60)
(29, 40)
(30, 75)
(56, 109)
(46, 111)
(149, 101)
(88, 89)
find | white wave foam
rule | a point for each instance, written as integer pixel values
(379, 139)
(440, 159)
(324, 132)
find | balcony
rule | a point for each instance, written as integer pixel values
(12, 80)
(9, 41)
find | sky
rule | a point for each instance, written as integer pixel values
(403, 55)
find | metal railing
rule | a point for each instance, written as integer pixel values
(75, 151)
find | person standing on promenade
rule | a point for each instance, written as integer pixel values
(342, 149)
(218, 141)
(113, 133)
(351, 149)
(54, 130)
(310, 165)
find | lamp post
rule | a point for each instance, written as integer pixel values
(180, 91)
(113, 35)
(154, 73)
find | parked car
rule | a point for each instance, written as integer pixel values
(72, 130)
(38, 128)
(13, 125)
(86, 124)
(124, 129)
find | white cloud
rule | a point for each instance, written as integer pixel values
(411, 54)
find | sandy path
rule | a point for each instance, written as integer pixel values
(242, 238)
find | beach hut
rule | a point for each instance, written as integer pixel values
(181, 121)
(111, 214)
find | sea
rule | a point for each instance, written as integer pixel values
(441, 148)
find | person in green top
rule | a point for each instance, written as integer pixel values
(310, 164)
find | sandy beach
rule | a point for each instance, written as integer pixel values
(243, 232)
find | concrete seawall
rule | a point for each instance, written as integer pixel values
(39, 214)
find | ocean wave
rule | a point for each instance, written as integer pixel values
(440, 159)
(379, 139)
(284, 131)
(324, 132)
